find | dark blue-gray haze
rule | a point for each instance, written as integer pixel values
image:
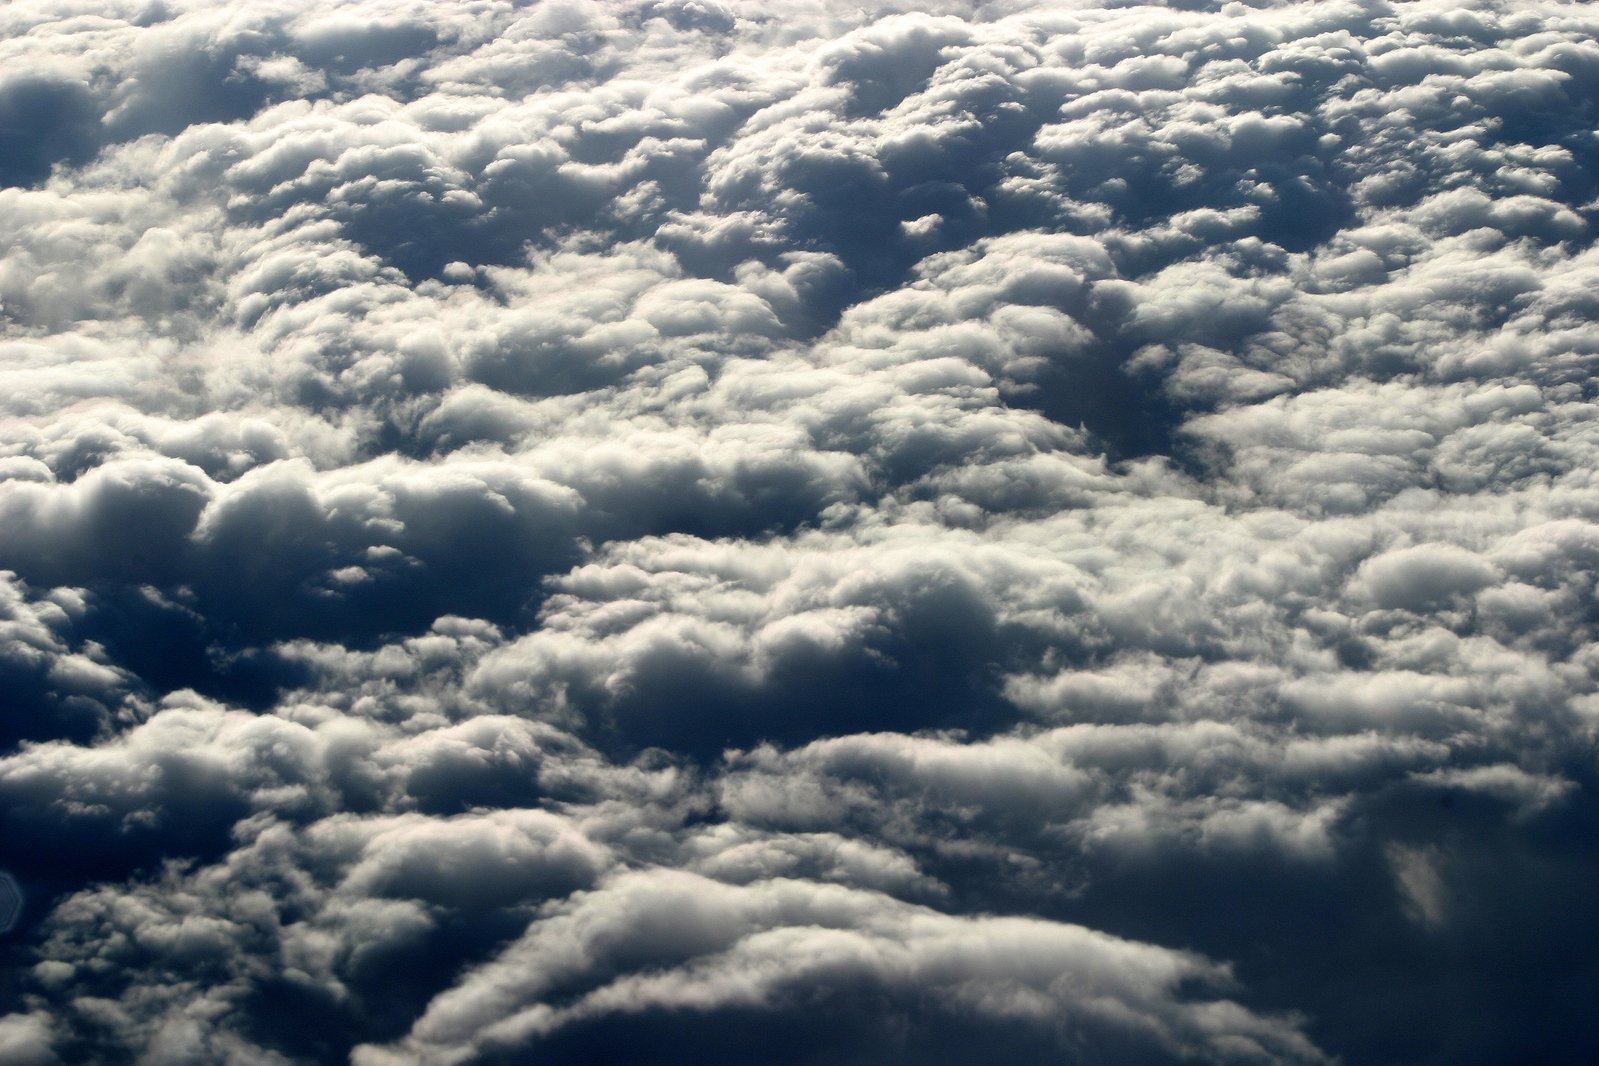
(799, 533)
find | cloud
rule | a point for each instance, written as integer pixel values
(649, 531)
(25, 1038)
(1423, 575)
(710, 947)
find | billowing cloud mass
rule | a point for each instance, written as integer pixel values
(704, 530)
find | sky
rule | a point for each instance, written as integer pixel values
(807, 533)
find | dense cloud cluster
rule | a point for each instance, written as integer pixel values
(692, 530)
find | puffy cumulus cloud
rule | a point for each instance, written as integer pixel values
(696, 644)
(615, 531)
(294, 862)
(26, 1038)
(710, 948)
(1423, 575)
(59, 682)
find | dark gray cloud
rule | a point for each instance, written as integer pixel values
(663, 531)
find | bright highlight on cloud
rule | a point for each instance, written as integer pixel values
(695, 531)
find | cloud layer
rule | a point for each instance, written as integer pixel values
(659, 531)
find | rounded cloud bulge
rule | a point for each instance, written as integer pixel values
(654, 531)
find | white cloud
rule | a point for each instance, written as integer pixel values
(713, 946)
(522, 524)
